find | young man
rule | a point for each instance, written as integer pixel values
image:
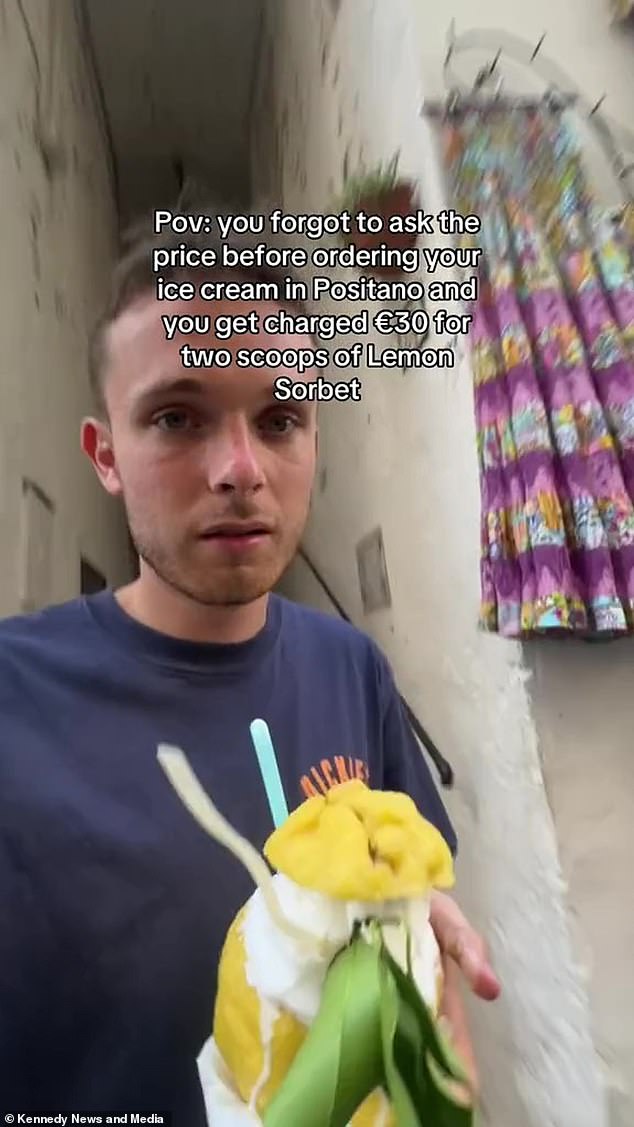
(115, 903)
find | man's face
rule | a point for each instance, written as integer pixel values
(215, 473)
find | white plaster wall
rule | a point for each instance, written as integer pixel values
(580, 696)
(584, 711)
(57, 237)
(557, 1048)
(177, 84)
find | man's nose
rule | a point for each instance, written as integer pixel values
(234, 463)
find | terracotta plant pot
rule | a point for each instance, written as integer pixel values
(398, 200)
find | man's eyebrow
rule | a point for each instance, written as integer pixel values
(185, 385)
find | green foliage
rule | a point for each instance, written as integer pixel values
(369, 183)
(373, 1030)
(423, 1065)
(339, 1063)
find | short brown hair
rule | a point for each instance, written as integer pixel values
(133, 276)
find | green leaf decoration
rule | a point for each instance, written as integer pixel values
(396, 1083)
(340, 1062)
(410, 1053)
(439, 1082)
(373, 1030)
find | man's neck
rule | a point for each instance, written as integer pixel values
(155, 604)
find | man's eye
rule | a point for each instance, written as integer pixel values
(173, 420)
(279, 423)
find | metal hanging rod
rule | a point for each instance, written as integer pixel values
(457, 103)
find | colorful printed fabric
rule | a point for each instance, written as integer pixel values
(552, 345)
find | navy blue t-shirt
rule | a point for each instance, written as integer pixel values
(114, 902)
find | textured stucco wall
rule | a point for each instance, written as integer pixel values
(580, 695)
(177, 84)
(336, 87)
(57, 229)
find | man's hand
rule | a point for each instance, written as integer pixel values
(459, 942)
(463, 955)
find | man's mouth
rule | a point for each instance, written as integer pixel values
(241, 536)
(235, 531)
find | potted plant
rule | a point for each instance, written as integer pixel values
(384, 193)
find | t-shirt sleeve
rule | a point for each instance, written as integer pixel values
(404, 765)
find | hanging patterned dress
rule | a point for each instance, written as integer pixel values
(552, 348)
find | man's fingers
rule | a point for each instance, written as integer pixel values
(458, 939)
(453, 1024)
(468, 950)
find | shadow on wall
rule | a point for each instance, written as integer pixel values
(300, 586)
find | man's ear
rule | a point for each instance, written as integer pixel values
(96, 443)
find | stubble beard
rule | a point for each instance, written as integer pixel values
(225, 586)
